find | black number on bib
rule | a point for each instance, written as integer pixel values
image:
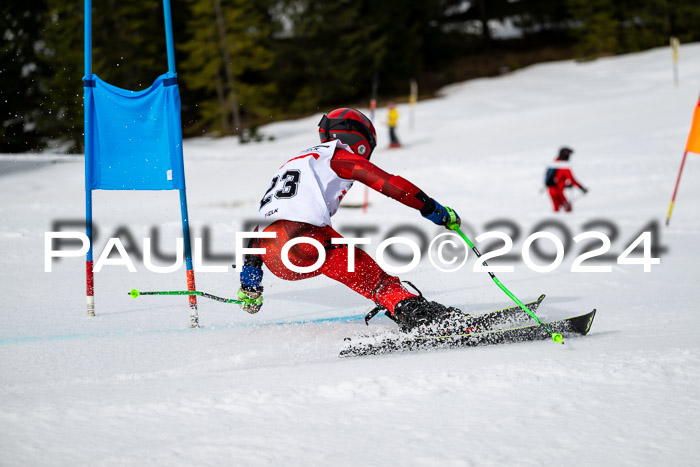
(291, 183)
(266, 199)
(288, 190)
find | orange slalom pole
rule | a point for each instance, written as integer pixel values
(675, 190)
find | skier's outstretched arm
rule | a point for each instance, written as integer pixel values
(352, 167)
(570, 177)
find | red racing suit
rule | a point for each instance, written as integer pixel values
(563, 178)
(367, 279)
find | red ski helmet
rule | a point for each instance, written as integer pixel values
(351, 127)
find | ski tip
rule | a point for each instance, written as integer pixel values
(134, 293)
(541, 297)
(587, 327)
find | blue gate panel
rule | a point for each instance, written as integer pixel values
(133, 138)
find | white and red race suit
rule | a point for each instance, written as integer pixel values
(301, 199)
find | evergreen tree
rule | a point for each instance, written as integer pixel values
(684, 18)
(128, 51)
(321, 60)
(62, 89)
(650, 23)
(21, 69)
(238, 67)
(594, 27)
(226, 59)
(128, 42)
(481, 11)
(334, 48)
(549, 19)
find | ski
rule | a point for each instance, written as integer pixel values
(576, 325)
(511, 315)
(504, 317)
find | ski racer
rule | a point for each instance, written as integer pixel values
(392, 115)
(302, 197)
(560, 177)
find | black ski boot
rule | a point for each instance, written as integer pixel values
(418, 314)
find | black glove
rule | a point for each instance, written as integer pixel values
(585, 190)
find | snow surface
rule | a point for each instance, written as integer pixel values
(135, 386)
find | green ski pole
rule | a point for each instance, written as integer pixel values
(555, 336)
(135, 293)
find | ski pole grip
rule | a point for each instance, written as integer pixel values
(452, 221)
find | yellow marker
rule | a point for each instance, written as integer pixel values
(675, 46)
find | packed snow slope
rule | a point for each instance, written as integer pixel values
(135, 386)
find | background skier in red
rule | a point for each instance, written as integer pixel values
(558, 178)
